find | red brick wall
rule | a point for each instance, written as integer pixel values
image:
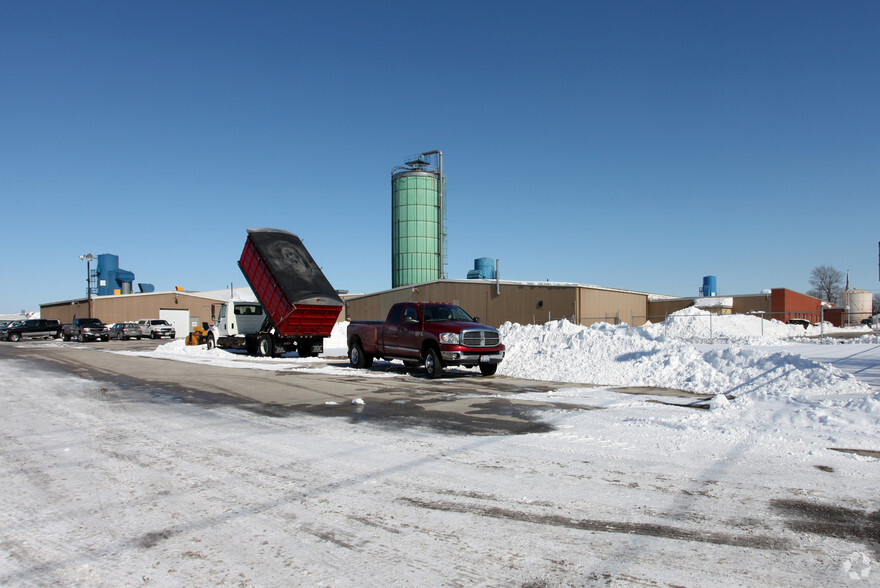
(788, 304)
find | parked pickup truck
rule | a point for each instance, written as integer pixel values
(31, 329)
(434, 334)
(85, 329)
(156, 328)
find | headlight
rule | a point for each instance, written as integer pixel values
(451, 338)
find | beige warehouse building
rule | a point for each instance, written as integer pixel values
(493, 302)
(184, 310)
(496, 302)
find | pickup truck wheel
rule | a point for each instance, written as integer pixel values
(488, 369)
(65, 337)
(265, 347)
(211, 344)
(14, 337)
(358, 358)
(433, 365)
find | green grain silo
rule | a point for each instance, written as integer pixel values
(418, 220)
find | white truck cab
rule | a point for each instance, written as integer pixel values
(233, 321)
(236, 317)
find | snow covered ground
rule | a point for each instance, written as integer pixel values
(102, 487)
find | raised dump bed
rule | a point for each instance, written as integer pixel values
(298, 307)
(297, 296)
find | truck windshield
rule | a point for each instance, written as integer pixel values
(248, 309)
(89, 321)
(445, 312)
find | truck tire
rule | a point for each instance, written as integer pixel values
(265, 346)
(65, 336)
(358, 358)
(211, 343)
(488, 369)
(433, 364)
(304, 348)
(14, 337)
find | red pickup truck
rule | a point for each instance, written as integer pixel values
(430, 333)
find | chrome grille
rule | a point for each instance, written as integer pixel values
(480, 338)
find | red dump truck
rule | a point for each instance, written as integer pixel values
(430, 333)
(297, 305)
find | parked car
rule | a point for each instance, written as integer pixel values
(156, 328)
(7, 325)
(32, 329)
(126, 331)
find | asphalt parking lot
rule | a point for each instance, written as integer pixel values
(462, 401)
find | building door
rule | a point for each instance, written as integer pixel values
(179, 319)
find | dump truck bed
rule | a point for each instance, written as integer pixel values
(288, 283)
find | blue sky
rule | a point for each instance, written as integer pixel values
(635, 145)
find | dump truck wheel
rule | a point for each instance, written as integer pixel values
(304, 348)
(211, 343)
(265, 346)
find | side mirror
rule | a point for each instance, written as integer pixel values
(213, 312)
(476, 319)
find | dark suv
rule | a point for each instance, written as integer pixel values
(31, 329)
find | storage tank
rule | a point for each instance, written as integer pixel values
(418, 221)
(710, 286)
(860, 303)
(484, 269)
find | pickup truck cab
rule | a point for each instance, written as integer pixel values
(430, 333)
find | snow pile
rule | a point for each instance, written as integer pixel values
(618, 355)
(695, 324)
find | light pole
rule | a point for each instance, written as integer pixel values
(88, 257)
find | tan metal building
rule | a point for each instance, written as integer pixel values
(777, 303)
(184, 310)
(496, 302)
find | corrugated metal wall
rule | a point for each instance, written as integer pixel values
(517, 302)
(118, 309)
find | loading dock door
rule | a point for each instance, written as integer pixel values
(179, 319)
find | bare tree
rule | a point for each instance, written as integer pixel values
(826, 282)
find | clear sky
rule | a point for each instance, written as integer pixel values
(636, 145)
